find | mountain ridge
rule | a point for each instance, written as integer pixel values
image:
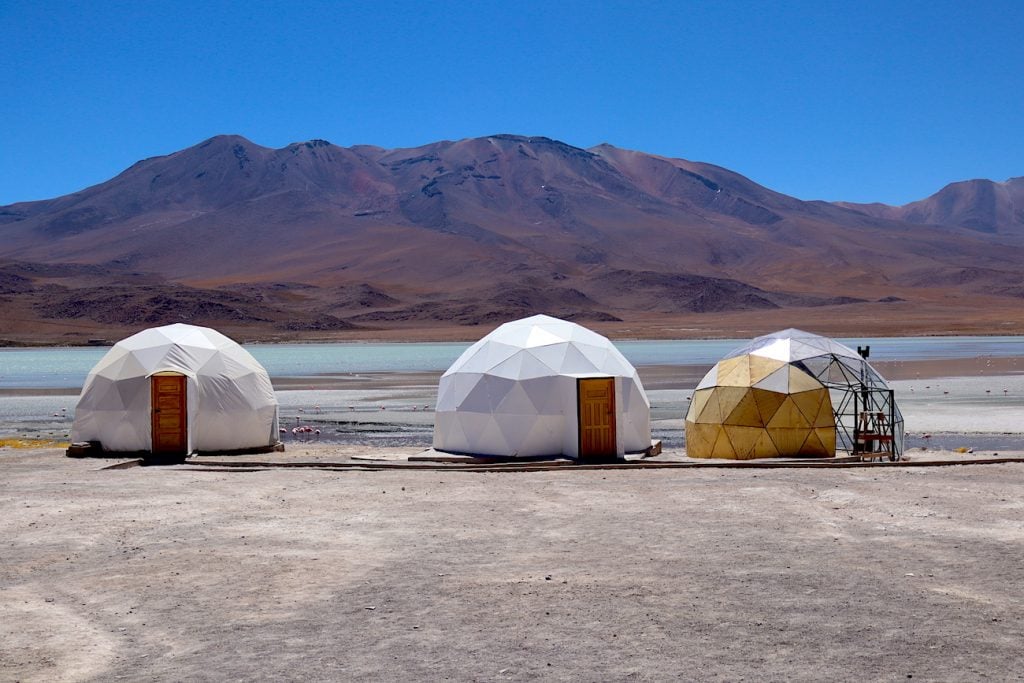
(441, 232)
(978, 204)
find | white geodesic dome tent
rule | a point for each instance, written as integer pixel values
(515, 393)
(229, 400)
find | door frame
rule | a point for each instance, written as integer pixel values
(153, 410)
(580, 455)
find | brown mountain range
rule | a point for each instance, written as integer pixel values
(318, 240)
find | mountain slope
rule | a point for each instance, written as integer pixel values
(480, 229)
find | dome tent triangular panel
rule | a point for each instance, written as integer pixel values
(119, 364)
(539, 336)
(729, 398)
(228, 400)
(734, 372)
(552, 356)
(458, 442)
(490, 432)
(545, 401)
(777, 381)
(711, 412)
(746, 412)
(788, 416)
(767, 402)
(536, 412)
(698, 402)
(531, 367)
(819, 386)
(791, 441)
(818, 366)
(488, 394)
(598, 356)
(459, 387)
(701, 436)
(777, 349)
(516, 401)
(511, 367)
(130, 393)
(108, 396)
(576, 362)
(744, 440)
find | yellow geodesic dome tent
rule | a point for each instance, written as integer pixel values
(754, 407)
(792, 393)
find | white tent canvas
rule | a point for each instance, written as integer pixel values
(514, 393)
(229, 400)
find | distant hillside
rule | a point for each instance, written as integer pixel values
(981, 205)
(316, 237)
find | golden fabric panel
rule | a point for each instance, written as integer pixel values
(788, 416)
(813, 446)
(700, 439)
(768, 403)
(746, 413)
(728, 399)
(790, 442)
(723, 447)
(711, 413)
(809, 403)
(766, 446)
(734, 372)
(827, 436)
(699, 400)
(801, 381)
(744, 442)
(825, 416)
(761, 367)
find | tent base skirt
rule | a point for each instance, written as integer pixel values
(94, 449)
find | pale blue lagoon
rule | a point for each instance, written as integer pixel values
(66, 368)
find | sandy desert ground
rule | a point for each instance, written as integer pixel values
(183, 573)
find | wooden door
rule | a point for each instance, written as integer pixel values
(170, 419)
(596, 400)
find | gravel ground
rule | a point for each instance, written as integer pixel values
(759, 575)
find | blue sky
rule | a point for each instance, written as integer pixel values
(857, 101)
